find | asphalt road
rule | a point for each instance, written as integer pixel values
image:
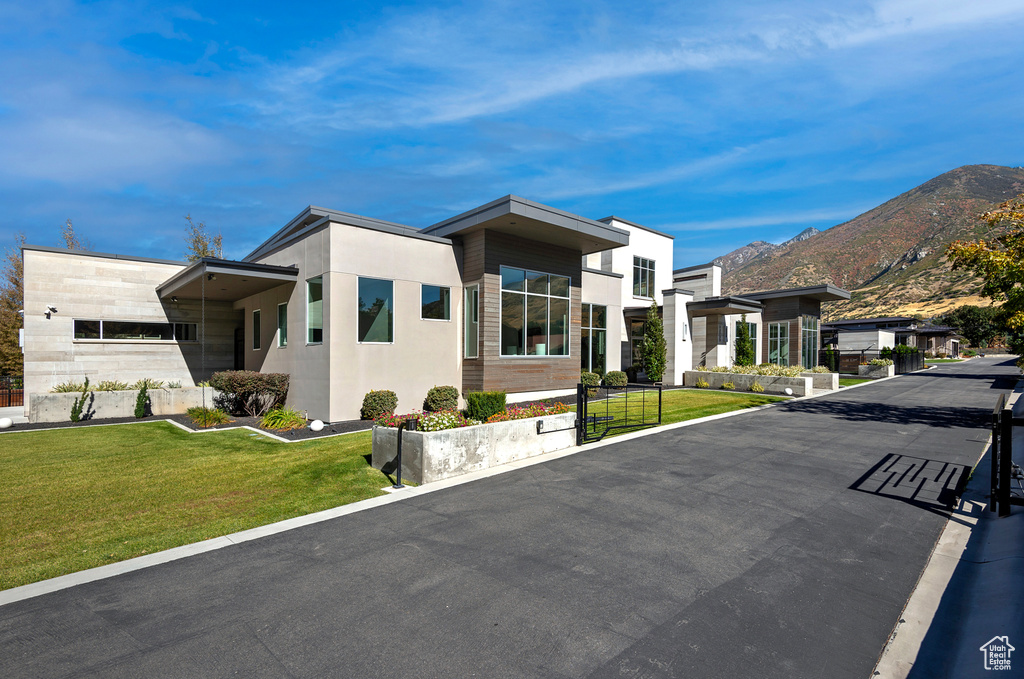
(778, 543)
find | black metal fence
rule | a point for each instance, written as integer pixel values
(12, 391)
(847, 361)
(601, 410)
(1005, 474)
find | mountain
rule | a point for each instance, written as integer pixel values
(747, 253)
(892, 257)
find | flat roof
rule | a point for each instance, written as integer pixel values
(822, 293)
(225, 280)
(105, 255)
(587, 269)
(314, 217)
(723, 306)
(535, 221)
(695, 267)
(862, 321)
(607, 220)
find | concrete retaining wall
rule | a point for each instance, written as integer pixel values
(821, 381)
(801, 386)
(104, 404)
(436, 455)
(876, 372)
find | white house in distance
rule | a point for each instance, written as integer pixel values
(512, 295)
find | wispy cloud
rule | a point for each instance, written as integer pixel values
(830, 214)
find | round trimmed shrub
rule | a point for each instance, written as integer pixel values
(441, 398)
(378, 403)
(616, 378)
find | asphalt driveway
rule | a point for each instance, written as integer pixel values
(777, 543)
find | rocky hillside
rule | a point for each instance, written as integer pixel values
(748, 253)
(890, 257)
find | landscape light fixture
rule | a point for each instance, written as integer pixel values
(211, 276)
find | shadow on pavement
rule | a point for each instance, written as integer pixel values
(895, 414)
(932, 485)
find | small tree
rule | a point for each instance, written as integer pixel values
(200, 243)
(744, 347)
(654, 352)
(71, 239)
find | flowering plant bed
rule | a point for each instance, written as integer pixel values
(433, 455)
(439, 421)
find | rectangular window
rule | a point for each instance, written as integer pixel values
(376, 311)
(435, 303)
(282, 325)
(809, 341)
(256, 330)
(315, 310)
(135, 330)
(534, 313)
(593, 345)
(778, 343)
(643, 277)
(636, 341)
(472, 312)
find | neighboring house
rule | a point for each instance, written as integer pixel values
(512, 295)
(890, 331)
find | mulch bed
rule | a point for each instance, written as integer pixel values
(329, 429)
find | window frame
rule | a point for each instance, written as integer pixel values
(448, 307)
(808, 354)
(588, 330)
(391, 323)
(643, 277)
(310, 328)
(777, 325)
(257, 330)
(174, 325)
(282, 329)
(527, 294)
(471, 297)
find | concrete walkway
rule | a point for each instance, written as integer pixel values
(784, 542)
(16, 413)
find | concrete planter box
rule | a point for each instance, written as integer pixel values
(436, 455)
(823, 381)
(801, 386)
(104, 404)
(876, 372)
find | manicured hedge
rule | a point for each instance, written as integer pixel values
(378, 403)
(615, 378)
(480, 405)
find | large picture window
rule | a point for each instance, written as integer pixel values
(315, 310)
(534, 313)
(376, 310)
(435, 303)
(778, 343)
(593, 340)
(135, 330)
(809, 342)
(643, 277)
(752, 329)
(472, 321)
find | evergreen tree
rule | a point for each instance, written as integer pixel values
(12, 297)
(744, 346)
(654, 352)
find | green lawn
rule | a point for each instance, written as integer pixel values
(73, 499)
(850, 381)
(943, 360)
(679, 405)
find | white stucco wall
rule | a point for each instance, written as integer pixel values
(649, 245)
(866, 340)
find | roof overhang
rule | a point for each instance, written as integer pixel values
(225, 280)
(723, 306)
(822, 293)
(534, 221)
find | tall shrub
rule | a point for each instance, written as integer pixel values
(141, 401)
(744, 347)
(79, 403)
(654, 350)
(480, 405)
(251, 392)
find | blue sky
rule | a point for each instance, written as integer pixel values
(721, 123)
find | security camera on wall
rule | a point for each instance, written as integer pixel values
(51, 308)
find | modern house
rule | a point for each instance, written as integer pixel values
(872, 334)
(512, 295)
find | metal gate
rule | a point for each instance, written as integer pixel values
(12, 391)
(601, 410)
(1007, 482)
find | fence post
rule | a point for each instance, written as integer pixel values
(993, 495)
(1005, 459)
(581, 412)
